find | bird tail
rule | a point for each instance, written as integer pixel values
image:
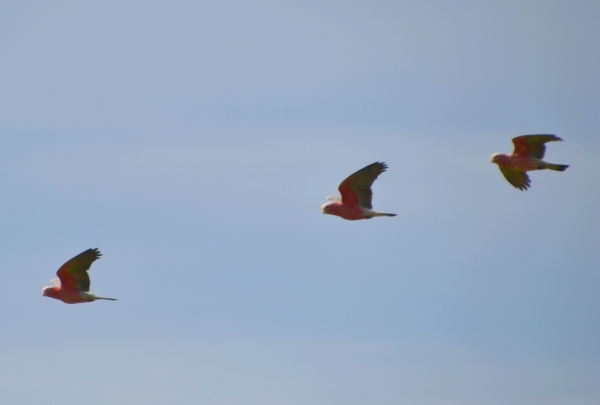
(383, 214)
(104, 298)
(558, 168)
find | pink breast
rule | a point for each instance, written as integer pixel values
(523, 163)
(348, 212)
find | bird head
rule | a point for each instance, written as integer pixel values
(496, 157)
(325, 208)
(45, 291)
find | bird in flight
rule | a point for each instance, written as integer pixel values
(528, 154)
(73, 283)
(356, 195)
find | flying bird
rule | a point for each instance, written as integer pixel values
(356, 195)
(73, 283)
(528, 154)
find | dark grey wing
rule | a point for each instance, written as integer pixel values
(356, 188)
(73, 274)
(533, 145)
(517, 178)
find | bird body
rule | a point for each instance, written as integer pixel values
(73, 283)
(353, 213)
(527, 156)
(72, 297)
(355, 202)
(516, 162)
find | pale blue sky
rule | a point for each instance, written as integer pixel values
(194, 144)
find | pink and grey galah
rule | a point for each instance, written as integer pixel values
(73, 283)
(527, 156)
(355, 202)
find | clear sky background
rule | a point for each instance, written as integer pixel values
(194, 143)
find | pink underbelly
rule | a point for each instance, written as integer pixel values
(351, 213)
(524, 164)
(71, 298)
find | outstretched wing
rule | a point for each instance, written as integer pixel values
(517, 178)
(73, 274)
(356, 189)
(532, 145)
